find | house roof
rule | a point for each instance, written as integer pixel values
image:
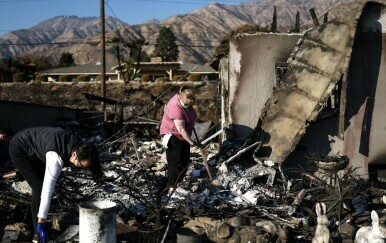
(199, 69)
(95, 68)
(180, 66)
(92, 68)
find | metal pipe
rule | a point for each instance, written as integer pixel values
(97, 222)
(203, 156)
(213, 136)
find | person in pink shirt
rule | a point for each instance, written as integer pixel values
(176, 128)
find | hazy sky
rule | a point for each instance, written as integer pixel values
(23, 14)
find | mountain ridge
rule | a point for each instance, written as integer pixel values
(197, 33)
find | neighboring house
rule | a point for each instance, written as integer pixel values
(168, 70)
(92, 72)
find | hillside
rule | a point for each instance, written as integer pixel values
(198, 33)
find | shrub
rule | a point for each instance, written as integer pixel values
(161, 79)
(5, 76)
(41, 78)
(98, 78)
(82, 78)
(194, 77)
(145, 78)
(20, 77)
(64, 78)
(178, 77)
(160, 87)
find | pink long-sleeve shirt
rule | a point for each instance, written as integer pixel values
(174, 111)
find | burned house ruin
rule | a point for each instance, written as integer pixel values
(284, 96)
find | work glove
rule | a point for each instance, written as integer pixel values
(41, 228)
(197, 144)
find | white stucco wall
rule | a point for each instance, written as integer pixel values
(252, 59)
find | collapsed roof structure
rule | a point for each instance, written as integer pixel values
(322, 95)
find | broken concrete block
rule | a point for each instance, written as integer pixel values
(9, 236)
(237, 221)
(249, 234)
(202, 222)
(22, 187)
(235, 238)
(193, 234)
(69, 234)
(223, 230)
(269, 227)
(348, 230)
(207, 223)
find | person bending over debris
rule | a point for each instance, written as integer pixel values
(176, 128)
(39, 154)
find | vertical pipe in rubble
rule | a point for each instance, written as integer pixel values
(97, 222)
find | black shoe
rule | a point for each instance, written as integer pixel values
(35, 239)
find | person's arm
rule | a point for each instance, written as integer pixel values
(180, 125)
(54, 166)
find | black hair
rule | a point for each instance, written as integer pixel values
(89, 152)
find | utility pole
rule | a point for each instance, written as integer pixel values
(274, 21)
(314, 18)
(103, 71)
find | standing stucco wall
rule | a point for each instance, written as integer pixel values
(365, 116)
(252, 59)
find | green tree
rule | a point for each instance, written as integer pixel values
(116, 42)
(19, 77)
(66, 60)
(38, 60)
(137, 54)
(223, 48)
(5, 70)
(25, 65)
(166, 46)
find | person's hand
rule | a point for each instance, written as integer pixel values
(41, 228)
(197, 144)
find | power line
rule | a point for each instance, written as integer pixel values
(74, 41)
(131, 31)
(111, 9)
(90, 43)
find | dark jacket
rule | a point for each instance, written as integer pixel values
(37, 141)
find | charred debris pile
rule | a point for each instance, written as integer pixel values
(248, 200)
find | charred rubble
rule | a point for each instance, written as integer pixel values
(249, 199)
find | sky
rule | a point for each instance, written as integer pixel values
(23, 14)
